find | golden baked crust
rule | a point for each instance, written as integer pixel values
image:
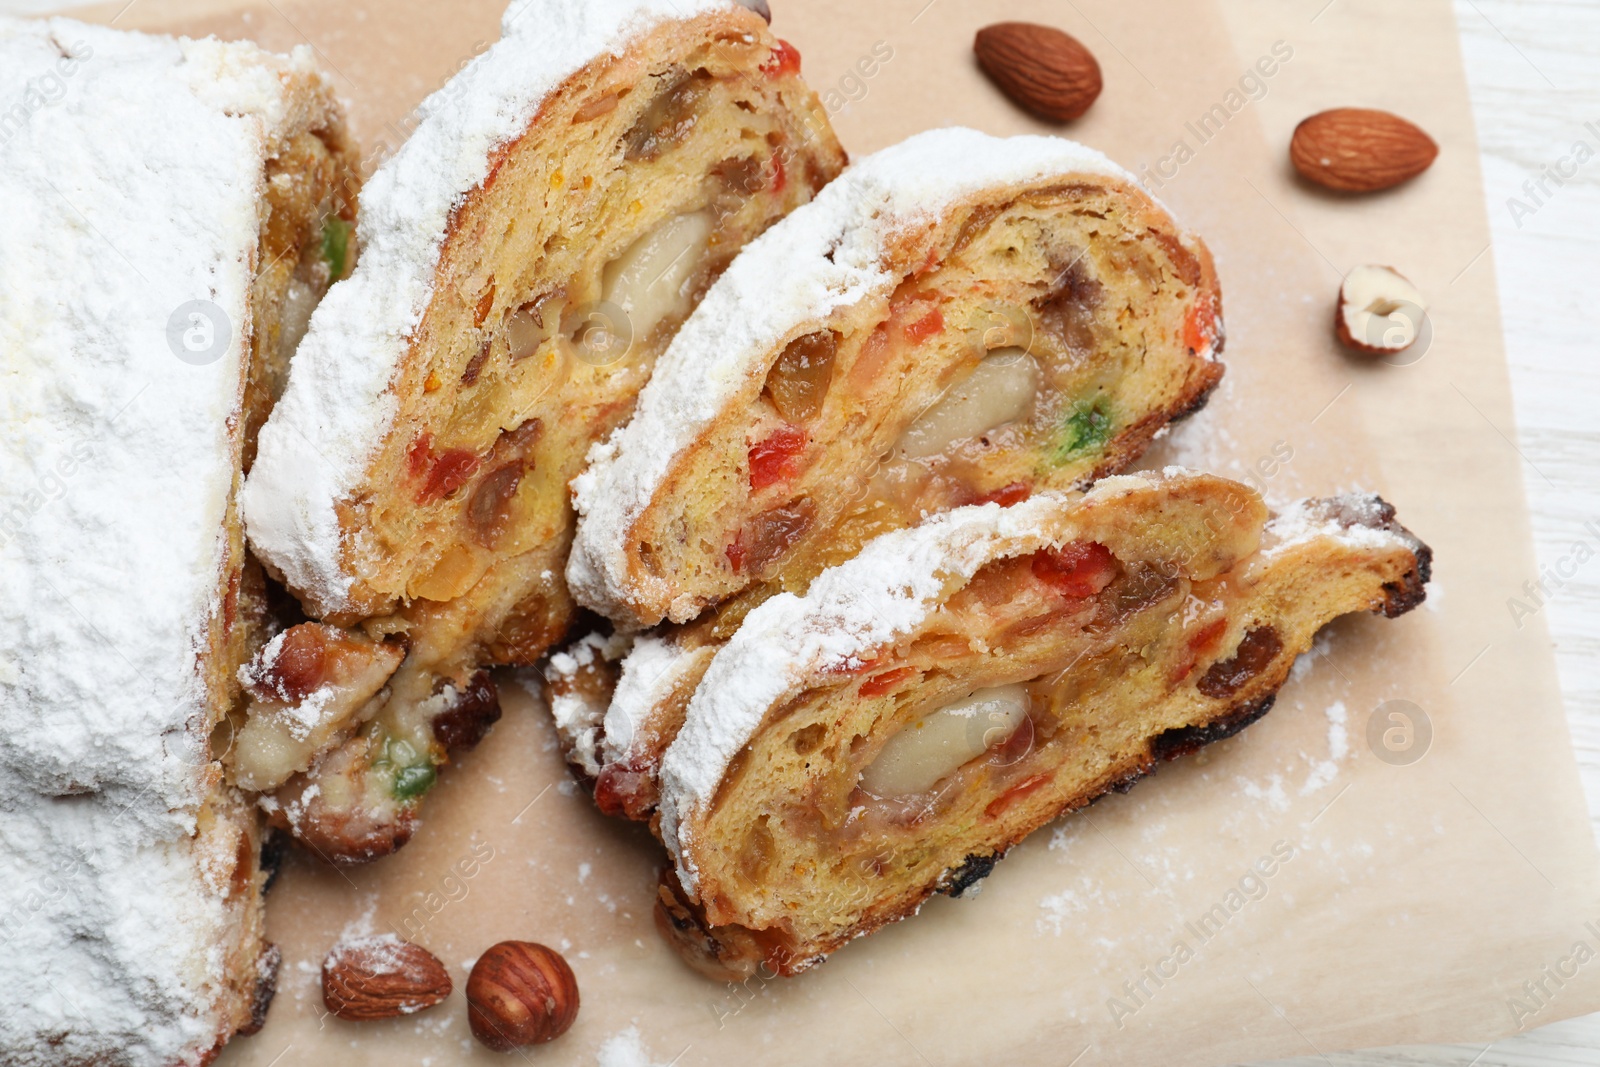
(307, 243)
(1070, 309)
(1127, 630)
(559, 280)
(828, 444)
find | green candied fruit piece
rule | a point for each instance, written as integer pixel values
(410, 773)
(336, 245)
(411, 782)
(1088, 427)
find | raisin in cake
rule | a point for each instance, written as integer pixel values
(959, 318)
(527, 254)
(928, 704)
(164, 206)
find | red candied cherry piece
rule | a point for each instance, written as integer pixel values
(1080, 569)
(925, 327)
(881, 684)
(785, 59)
(450, 471)
(776, 459)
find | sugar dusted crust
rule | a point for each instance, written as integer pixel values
(838, 260)
(849, 611)
(577, 678)
(1205, 605)
(586, 178)
(130, 880)
(342, 400)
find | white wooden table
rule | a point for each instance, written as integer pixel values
(1534, 72)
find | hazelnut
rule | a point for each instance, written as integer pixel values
(520, 993)
(1380, 312)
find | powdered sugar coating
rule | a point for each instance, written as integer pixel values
(577, 719)
(122, 453)
(339, 404)
(883, 594)
(653, 669)
(1356, 518)
(98, 918)
(827, 255)
(130, 190)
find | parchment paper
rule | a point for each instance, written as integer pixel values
(1349, 872)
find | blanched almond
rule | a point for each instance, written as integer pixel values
(922, 753)
(649, 282)
(999, 390)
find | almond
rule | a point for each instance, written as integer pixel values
(382, 977)
(1359, 150)
(1040, 68)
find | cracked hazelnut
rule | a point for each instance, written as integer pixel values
(1380, 311)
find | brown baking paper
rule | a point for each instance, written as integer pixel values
(1398, 853)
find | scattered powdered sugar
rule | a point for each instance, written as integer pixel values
(1057, 908)
(851, 610)
(305, 716)
(339, 404)
(1272, 792)
(135, 193)
(300, 715)
(829, 254)
(1322, 772)
(1338, 736)
(625, 1048)
(379, 953)
(1325, 771)
(1357, 519)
